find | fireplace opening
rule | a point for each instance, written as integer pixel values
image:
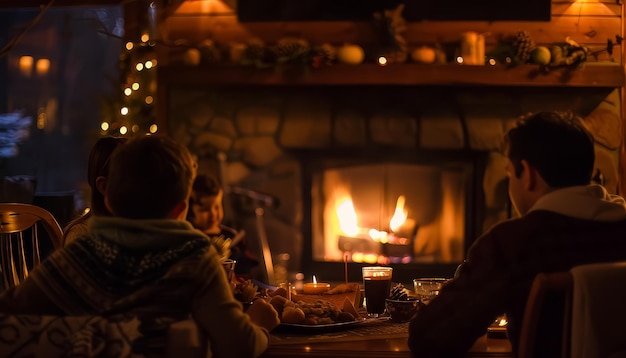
(417, 212)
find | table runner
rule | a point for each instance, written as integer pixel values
(372, 328)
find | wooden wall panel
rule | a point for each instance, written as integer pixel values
(583, 29)
(589, 23)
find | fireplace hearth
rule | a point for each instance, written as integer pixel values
(391, 207)
(281, 140)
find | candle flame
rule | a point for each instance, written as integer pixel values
(314, 280)
(399, 216)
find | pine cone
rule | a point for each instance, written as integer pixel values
(289, 49)
(523, 46)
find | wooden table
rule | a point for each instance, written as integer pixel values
(385, 340)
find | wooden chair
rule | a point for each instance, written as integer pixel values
(545, 284)
(20, 226)
(598, 310)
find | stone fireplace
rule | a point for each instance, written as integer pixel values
(296, 143)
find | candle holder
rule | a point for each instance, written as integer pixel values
(315, 288)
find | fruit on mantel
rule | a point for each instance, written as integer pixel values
(350, 54)
(541, 55)
(192, 57)
(424, 54)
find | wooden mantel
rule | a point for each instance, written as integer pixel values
(590, 75)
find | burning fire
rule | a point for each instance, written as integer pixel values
(399, 216)
(347, 218)
(348, 223)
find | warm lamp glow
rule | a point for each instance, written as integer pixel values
(41, 120)
(128, 91)
(26, 65)
(206, 7)
(135, 86)
(42, 66)
(123, 130)
(124, 111)
(149, 99)
(148, 64)
(104, 126)
(145, 37)
(129, 46)
(153, 128)
(382, 60)
(139, 66)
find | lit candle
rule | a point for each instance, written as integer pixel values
(315, 288)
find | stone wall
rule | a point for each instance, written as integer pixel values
(259, 128)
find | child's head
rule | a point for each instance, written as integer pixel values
(205, 206)
(150, 178)
(98, 171)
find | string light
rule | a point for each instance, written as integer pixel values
(134, 113)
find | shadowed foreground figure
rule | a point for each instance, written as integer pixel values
(147, 261)
(563, 222)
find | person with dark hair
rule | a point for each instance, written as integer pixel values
(97, 171)
(563, 221)
(206, 213)
(147, 261)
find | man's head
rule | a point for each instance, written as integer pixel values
(206, 211)
(150, 178)
(547, 151)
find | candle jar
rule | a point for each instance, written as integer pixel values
(315, 288)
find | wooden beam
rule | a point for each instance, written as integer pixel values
(590, 75)
(41, 3)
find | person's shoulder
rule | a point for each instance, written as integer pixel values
(75, 229)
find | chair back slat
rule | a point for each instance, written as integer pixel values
(20, 226)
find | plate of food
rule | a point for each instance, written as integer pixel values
(314, 314)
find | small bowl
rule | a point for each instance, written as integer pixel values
(402, 311)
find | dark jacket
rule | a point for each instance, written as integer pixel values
(501, 265)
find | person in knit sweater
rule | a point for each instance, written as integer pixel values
(563, 221)
(147, 260)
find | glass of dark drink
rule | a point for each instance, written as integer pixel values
(377, 284)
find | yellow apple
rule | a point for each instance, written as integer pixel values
(350, 54)
(192, 57)
(424, 54)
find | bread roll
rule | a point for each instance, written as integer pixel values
(292, 315)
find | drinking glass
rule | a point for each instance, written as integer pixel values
(229, 267)
(377, 284)
(427, 288)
